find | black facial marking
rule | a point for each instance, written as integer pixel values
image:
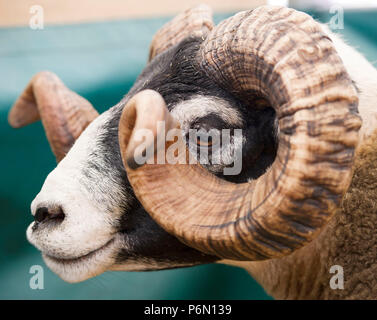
(146, 240)
(261, 145)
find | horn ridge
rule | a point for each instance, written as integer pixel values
(196, 21)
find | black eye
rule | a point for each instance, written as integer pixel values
(202, 142)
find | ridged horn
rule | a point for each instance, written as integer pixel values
(64, 113)
(283, 56)
(195, 21)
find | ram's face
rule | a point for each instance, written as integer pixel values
(87, 218)
(102, 210)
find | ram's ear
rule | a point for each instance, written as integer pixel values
(196, 21)
(64, 113)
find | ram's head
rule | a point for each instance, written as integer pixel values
(270, 72)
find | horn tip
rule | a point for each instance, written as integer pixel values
(13, 120)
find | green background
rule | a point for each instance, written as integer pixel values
(100, 61)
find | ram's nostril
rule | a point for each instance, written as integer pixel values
(49, 213)
(41, 214)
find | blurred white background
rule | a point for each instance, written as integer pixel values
(325, 4)
(16, 12)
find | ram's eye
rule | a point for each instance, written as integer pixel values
(203, 139)
(201, 142)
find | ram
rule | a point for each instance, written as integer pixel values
(297, 92)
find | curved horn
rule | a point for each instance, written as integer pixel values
(64, 113)
(283, 55)
(196, 21)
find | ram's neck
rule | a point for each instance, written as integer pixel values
(302, 275)
(349, 240)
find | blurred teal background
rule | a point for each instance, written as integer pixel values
(100, 61)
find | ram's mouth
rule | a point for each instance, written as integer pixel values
(83, 258)
(86, 266)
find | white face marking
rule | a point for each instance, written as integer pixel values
(88, 224)
(197, 107)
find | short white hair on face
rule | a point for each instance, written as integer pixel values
(200, 106)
